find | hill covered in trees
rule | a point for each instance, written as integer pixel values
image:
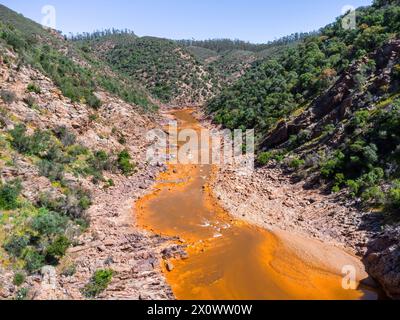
(329, 105)
(229, 59)
(77, 72)
(171, 73)
(178, 72)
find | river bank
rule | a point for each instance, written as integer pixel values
(273, 199)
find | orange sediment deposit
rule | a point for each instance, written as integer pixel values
(231, 259)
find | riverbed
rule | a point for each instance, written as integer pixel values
(230, 259)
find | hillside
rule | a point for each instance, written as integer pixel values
(327, 112)
(76, 72)
(71, 161)
(169, 72)
(230, 59)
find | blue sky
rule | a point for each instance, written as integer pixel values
(251, 20)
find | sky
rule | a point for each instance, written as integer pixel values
(256, 21)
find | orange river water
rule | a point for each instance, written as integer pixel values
(229, 259)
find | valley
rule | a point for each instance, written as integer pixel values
(227, 258)
(86, 215)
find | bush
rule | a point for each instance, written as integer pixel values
(19, 279)
(16, 244)
(99, 162)
(99, 282)
(124, 163)
(69, 270)
(9, 194)
(354, 187)
(394, 197)
(296, 163)
(373, 195)
(19, 140)
(22, 294)
(34, 261)
(328, 169)
(66, 137)
(396, 71)
(264, 158)
(53, 171)
(93, 102)
(57, 249)
(75, 202)
(37, 144)
(32, 87)
(49, 223)
(8, 96)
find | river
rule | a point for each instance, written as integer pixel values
(229, 259)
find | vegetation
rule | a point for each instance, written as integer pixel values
(9, 193)
(32, 87)
(99, 283)
(19, 279)
(76, 82)
(125, 164)
(369, 158)
(361, 153)
(161, 65)
(223, 45)
(8, 96)
(22, 294)
(273, 89)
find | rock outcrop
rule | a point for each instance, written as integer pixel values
(383, 261)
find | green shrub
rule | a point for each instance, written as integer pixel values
(264, 158)
(328, 169)
(19, 279)
(373, 195)
(9, 193)
(354, 187)
(99, 282)
(40, 143)
(8, 96)
(15, 245)
(360, 119)
(124, 163)
(32, 87)
(66, 137)
(19, 140)
(396, 71)
(69, 270)
(37, 144)
(22, 294)
(394, 197)
(49, 223)
(53, 171)
(93, 102)
(34, 260)
(57, 249)
(75, 202)
(296, 163)
(99, 162)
